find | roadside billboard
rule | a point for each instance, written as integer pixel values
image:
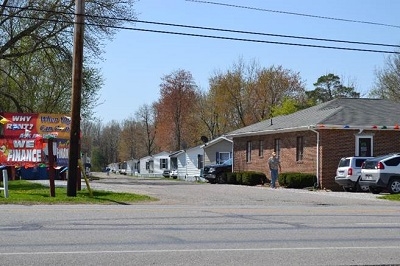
(25, 125)
(23, 140)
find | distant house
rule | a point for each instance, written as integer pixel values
(146, 165)
(132, 167)
(154, 165)
(188, 163)
(313, 140)
(217, 150)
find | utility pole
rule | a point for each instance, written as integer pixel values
(76, 98)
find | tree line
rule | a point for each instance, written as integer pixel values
(36, 70)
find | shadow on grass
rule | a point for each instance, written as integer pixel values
(17, 185)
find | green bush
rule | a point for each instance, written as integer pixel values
(239, 178)
(231, 178)
(296, 180)
(251, 178)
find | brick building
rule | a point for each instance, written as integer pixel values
(314, 139)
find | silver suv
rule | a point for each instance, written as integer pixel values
(382, 173)
(348, 173)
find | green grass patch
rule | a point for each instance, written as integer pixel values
(394, 197)
(29, 193)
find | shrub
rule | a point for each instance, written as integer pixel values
(251, 178)
(296, 180)
(239, 178)
(231, 178)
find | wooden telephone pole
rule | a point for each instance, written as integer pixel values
(76, 98)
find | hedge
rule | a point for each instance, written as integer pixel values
(296, 180)
(249, 178)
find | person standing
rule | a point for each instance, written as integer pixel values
(274, 165)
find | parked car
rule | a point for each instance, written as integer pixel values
(166, 173)
(215, 173)
(382, 173)
(348, 173)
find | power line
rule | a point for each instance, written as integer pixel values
(260, 41)
(294, 13)
(220, 37)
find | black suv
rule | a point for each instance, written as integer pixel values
(216, 173)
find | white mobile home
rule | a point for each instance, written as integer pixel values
(188, 163)
(154, 165)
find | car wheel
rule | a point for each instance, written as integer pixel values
(348, 189)
(375, 190)
(361, 188)
(394, 186)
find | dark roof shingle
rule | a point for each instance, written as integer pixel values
(361, 112)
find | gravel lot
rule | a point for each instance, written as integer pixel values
(178, 192)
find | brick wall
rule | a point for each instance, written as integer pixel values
(334, 144)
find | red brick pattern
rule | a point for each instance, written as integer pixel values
(333, 143)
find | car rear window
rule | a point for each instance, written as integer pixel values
(359, 162)
(344, 162)
(370, 164)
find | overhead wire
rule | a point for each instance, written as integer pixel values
(221, 30)
(294, 13)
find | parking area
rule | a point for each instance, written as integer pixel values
(170, 192)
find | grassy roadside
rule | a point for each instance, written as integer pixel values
(393, 197)
(28, 193)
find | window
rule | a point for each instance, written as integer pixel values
(222, 157)
(277, 147)
(147, 165)
(364, 145)
(393, 162)
(248, 152)
(164, 163)
(261, 148)
(200, 163)
(299, 149)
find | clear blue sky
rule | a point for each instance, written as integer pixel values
(135, 61)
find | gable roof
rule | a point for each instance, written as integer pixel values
(350, 112)
(215, 141)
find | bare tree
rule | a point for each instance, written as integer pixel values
(387, 84)
(147, 133)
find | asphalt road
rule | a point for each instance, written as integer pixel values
(205, 224)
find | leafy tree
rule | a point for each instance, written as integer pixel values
(36, 52)
(288, 106)
(275, 87)
(248, 93)
(178, 97)
(387, 84)
(98, 160)
(329, 87)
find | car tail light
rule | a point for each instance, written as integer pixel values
(350, 171)
(380, 166)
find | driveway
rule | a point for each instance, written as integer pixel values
(171, 192)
